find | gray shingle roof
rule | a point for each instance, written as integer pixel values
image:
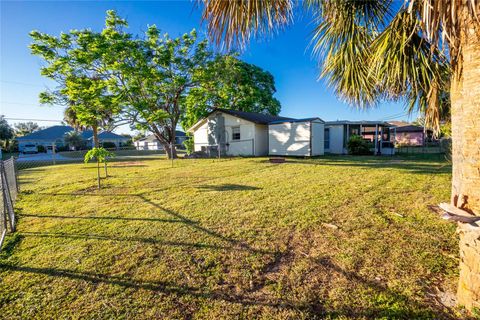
(58, 133)
(259, 118)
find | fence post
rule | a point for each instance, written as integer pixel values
(53, 153)
(171, 152)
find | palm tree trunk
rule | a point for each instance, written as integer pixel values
(465, 100)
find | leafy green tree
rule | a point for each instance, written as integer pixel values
(230, 83)
(6, 132)
(101, 155)
(24, 128)
(376, 50)
(154, 75)
(74, 61)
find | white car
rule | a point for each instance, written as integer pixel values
(30, 148)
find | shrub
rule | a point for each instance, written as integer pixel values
(358, 146)
(109, 145)
(189, 145)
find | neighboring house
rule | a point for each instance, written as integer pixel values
(55, 136)
(235, 133)
(150, 142)
(337, 134)
(411, 135)
(254, 134)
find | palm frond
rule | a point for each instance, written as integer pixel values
(233, 22)
(441, 22)
(341, 40)
(405, 65)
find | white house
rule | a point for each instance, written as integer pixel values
(235, 133)
(296, 137)
(231, 132)
(150, 142)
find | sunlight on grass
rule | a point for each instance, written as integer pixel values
(232, 238)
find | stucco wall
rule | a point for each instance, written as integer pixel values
(336, 139)
(289, 139)
(209, 134)
(318, 132)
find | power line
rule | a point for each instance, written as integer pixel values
(22, 83)
(25, 119)
(28, 104)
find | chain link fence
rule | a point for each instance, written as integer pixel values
(9, 192)
(40, 159)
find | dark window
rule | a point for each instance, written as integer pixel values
(327, 138)
(235, 133)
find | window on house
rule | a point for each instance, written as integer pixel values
(235, 133)
(327, 139)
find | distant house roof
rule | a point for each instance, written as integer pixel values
(58, 132)
(362, 122)
(152, 138)
(296, 120)
(410, 128)
(259, 118)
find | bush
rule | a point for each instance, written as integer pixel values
(358, 146)
(41, 148)
(189, 145)
(109, 145)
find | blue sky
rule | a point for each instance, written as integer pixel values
(285, 55)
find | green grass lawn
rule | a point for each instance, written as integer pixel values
(337, 237)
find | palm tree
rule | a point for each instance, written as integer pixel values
(377, 50)
(103, 120)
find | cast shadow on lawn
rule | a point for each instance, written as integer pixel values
(313, 308)
(227, 187)
(423, 167)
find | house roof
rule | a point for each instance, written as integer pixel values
(362, 122)
(296, 120)
(152, 138)
(410, 128)
(255, 117)
(259, 118)
(58, 132)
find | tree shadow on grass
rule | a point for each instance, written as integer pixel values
(227, 187)
(157, 286)
(88, 236)
(312, 309)
(420, 167)
(51, 216)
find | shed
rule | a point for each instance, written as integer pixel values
(296, 137)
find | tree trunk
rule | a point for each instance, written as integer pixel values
(95, 136)
(98, 173)
(465, 101)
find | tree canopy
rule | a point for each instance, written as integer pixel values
(230, 83)
(153, 82)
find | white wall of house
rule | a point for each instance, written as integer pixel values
(289, 139)
(148, 145)
(251, 140)
(318, 131)
(336, 139)
(261, 140)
